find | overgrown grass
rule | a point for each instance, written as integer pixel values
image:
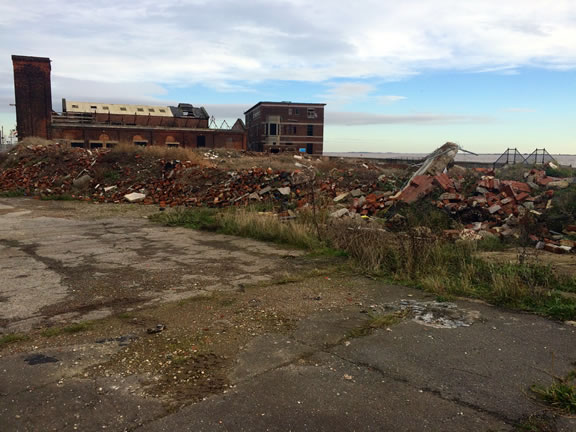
(560, 171)
(62, 197)
(12, 193)
(71, 329)
(12, 338)
(420, 259)
(561, 394)
(261, 226)
(563, 211)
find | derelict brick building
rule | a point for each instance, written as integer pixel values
(286, 126)
(94, 125)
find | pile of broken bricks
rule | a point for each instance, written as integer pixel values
(497, 204)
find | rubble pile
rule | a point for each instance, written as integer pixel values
(484, 204)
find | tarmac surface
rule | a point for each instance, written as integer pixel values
(442, 367)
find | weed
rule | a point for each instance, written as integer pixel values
(71, 329)
(244, 223)
(563, 211)
(561, 171)
(490, 244)
(12, 338)
(201, 219)
(62, 197)
(12, 193)
(561, 394)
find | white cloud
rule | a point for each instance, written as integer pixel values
(390, 99)
(205, 41)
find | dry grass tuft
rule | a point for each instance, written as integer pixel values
(164, 152)
(34, 141)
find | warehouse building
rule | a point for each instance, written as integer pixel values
(96, 125)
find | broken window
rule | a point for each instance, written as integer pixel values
(296, 111)
(312, 113)
(310, 130)
(173, 144)
(111, 144)
(273, 129)
(163, 110)
(77, 144)
(140, 109)
(122, 108)
(93, 107)
(105, 107)
(151, 109)
(96, 144)
(74, 106)
(141, 143)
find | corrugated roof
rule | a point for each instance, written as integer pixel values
(127, 109)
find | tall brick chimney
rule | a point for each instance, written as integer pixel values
(33, 96)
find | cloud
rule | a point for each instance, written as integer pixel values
(193, 41)
(363, 119)
(342, 94)
(390, 99)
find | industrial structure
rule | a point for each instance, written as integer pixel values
(95, 125)
(286, 127)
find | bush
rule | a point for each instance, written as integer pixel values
(563, 211)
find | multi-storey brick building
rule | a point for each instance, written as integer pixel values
(286, 126)
(94, 125)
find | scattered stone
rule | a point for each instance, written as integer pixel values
(134, 197)
(82, 182)
(339, 213)
(284, 190)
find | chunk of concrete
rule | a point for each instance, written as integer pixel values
(559, 184)
(134, 197)
(339, 213)
(341, 197)
(265, 190)
(284, 190)
(356, 193)
(82, 182)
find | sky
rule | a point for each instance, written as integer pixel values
(396, 76)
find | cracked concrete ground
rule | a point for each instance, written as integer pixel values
(271, 356)
(58, 269)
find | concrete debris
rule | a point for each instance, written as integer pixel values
(134, 197)
(486, 205)
(284, 190)
(341, 197)
(339, 213)
(82, 182)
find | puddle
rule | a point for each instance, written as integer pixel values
(36, 359)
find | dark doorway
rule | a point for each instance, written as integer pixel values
(200, 141)
(309, 148)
